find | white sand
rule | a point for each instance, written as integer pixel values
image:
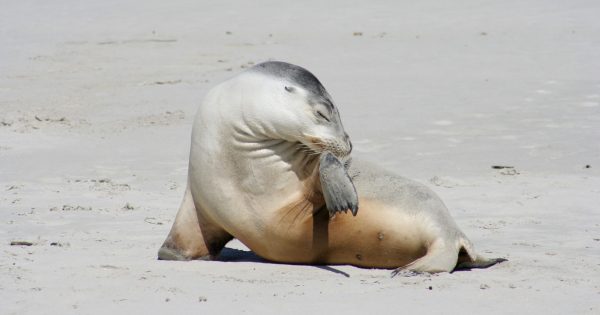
(438, 91)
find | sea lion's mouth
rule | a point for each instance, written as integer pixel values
(341, 149)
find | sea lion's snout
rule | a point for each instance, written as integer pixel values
(340, 146)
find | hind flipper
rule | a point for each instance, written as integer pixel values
(440, 257)
(192, 236)
(468, 259)
(338, 189)
(479, 262)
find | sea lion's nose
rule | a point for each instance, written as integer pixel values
(347, 139)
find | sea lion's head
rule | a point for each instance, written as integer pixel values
(294, 106)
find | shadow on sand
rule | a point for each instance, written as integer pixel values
(238, 255)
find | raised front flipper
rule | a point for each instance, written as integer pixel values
(338, 189)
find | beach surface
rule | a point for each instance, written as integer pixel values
(96, 106)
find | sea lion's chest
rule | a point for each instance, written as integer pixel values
(277, 188)
(247, 186)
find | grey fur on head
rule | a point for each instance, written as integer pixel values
(295, 75)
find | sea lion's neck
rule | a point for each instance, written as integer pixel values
(273, 165)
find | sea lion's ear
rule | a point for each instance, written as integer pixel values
(338, 189)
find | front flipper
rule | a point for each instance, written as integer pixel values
(338, 189)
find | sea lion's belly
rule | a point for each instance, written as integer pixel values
(379, 236)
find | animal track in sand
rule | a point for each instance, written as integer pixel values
(71, 208)
(107, 185)
(25, 123)
(489, 225)
(166, 118)
(162, 119)
(447, 182)
(103, 184)
(161, 82)
(526, 244)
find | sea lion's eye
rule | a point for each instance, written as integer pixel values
(289, 89)
(320, 114)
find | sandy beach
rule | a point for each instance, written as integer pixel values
(96, 108)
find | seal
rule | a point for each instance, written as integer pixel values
(270, 165)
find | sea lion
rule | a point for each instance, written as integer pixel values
(270, 166)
